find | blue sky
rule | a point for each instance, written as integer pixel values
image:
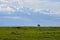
(29, 12)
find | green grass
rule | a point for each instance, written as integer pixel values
(30, 33)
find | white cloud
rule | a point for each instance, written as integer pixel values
(7, 9)
(33, 5)
(3, 0)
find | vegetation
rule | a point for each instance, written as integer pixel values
(29, 33)
(38, 25)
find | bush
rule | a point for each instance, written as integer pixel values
(18, 27)
(38, 25)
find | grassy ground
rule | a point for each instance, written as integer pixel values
(29, 33)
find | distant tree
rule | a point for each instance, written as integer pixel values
(38, 25)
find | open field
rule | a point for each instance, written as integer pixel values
(29, 33)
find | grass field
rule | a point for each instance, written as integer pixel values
(29, 33)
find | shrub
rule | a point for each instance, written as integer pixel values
(18, 27)
(38, 25)
(13, 33)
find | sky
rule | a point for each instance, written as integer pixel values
(29, 12)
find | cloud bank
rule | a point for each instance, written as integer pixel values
(41, 6)
(10, 17)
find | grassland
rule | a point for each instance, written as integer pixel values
(29, 33)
